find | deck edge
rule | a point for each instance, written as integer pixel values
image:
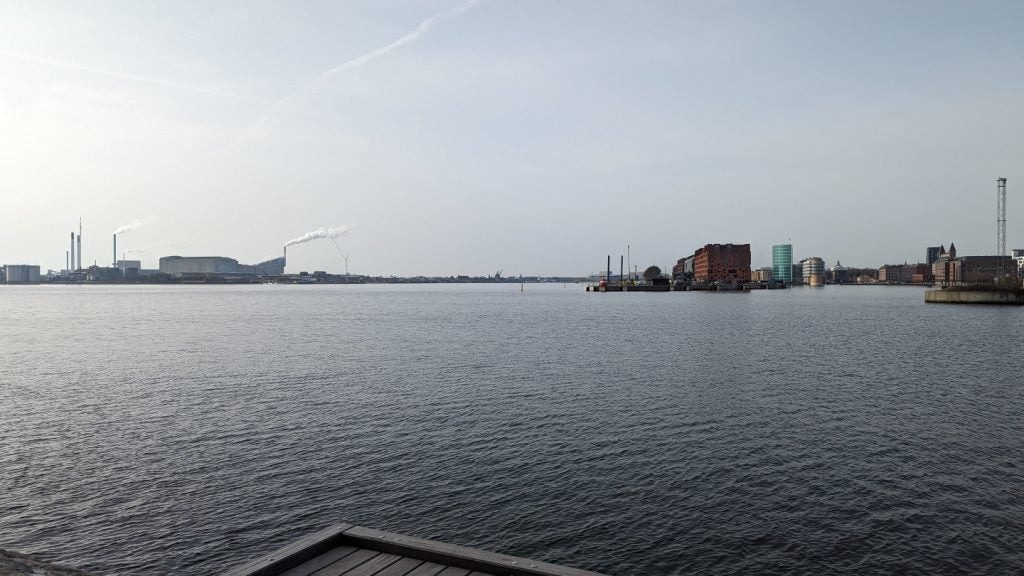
(292, 554)
(454, 555)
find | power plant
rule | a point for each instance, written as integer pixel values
(219, 265)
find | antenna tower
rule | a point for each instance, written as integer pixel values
(1001, 217)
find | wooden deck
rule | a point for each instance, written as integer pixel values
(347, 550)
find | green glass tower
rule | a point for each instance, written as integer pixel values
(782, 262)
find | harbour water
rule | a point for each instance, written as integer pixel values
(182, 429)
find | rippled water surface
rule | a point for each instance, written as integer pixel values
(846, 430)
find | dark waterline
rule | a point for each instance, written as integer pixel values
(157, 430)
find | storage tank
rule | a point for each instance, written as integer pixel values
(21, 273)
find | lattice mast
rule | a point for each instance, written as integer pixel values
(1001, 217)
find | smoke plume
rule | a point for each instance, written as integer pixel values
(330, 232)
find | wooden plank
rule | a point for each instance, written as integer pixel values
(318, 562)
(442, 553)
(454, 571)
(373, 566)
(401, 568)
(475, 573)
(291, 555)
(428, 569)
(347, 563)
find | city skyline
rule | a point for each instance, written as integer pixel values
(467, 137)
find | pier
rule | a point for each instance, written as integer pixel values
(347, 550)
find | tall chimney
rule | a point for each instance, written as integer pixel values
(72, 267)
(115, 252)
(79, 244)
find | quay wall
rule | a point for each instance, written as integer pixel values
(1013, 297)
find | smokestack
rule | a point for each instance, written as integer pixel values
(115, 252)
(79, 244)
(72, 267)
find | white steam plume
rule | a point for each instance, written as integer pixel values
(133, 225)
(331, 232)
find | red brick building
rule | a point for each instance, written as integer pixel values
(722, 263)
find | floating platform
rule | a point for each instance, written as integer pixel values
(680, 288)
(1006, 296)
(621, 288)
(347, 550)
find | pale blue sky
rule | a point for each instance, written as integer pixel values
(530, 136)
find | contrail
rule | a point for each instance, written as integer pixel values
(409, 38)
(157, 82)
(133, 77)
(331, 232)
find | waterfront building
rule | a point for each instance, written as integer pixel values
(950, 268)
(796, 272)
(765, 274)
(782, 262)
(890, 273)
(944, 269)
(932, 254)
(722, 263)
(813, 271)
(916, 273)
(1018, 256)
(683, 270)
(984, 269)
(838, 274)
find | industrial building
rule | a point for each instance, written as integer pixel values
(129, 268)
(21, 273)
(218, 266)
(722, 263)
(782, 262)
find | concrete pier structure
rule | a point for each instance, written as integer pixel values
(967, 296)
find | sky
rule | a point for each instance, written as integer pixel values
(528, 136)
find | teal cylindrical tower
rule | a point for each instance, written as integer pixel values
(782, 262)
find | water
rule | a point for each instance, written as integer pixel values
(158, 430)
